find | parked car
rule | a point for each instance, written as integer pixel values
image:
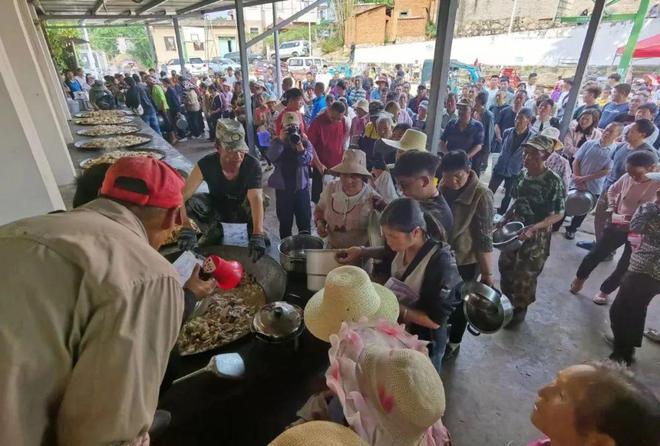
(293, 48)
(299, 66)
(236, 57)
(220, 65)
(196, 66)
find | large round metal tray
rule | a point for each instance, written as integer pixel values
(80, 144)
(267, 272)
(87, 114)
(160, 155)
(112, 120)
(85, 131)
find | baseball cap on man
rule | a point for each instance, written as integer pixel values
(144, 181)
(231, 135)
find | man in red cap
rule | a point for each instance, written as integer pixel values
(89, 313)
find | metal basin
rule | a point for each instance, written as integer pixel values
(486, 309)
(293, 251)
(506, 237)
(579, 202)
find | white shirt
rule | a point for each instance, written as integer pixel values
(325, 78)
(231, 80)
(83, 83)
(385, 187)
(412, 286)
(531, 89)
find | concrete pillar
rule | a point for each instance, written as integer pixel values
(52, 77)
(28, 184)
(18, 37)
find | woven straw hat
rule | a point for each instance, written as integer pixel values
(404, 389)
(348, 295)
(318, 433)
(363, 105)
(553, 133)
(353, 162)
(411, 140)
(290, 118)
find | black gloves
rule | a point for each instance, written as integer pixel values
(187, 239)
(257, 246)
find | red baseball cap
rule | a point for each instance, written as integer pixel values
(161, 185)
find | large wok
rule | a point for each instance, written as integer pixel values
(267, 271)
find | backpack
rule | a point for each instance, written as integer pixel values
(191, 101)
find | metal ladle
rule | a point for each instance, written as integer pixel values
(225, 365)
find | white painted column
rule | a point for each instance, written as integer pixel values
(18, 36)
(49, 71)
(28, 184)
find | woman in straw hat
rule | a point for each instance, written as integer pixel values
(539, 203)
(318, 433)
(342, 214)
(559, 165)
(387, 390)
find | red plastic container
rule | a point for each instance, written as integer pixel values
(227, 273)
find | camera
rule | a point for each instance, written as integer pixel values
(293, 134)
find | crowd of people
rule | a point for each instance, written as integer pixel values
(340, 154)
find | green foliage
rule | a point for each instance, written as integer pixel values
(138, 45)
(61, 48)
(332, 44)
(431, 30)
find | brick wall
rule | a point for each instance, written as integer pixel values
(412, 27)
(368, 27)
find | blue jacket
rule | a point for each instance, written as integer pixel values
(510, 162)
(286, 159)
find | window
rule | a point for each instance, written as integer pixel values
(287, 45)
(194, 37)
(198, 46)
(254, 30)
(169, 44)
(293, 62)
(196, 60)
(404, 14)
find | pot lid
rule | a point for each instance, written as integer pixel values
(277, 320)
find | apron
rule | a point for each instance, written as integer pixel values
(348, 218)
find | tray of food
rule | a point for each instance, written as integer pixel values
(100, 113)
(113, 142)
(112, 157)
(108, 130)
(174, 235)
(104, 120)
(227, 318)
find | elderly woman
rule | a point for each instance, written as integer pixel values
(539, 203)
(399, 113)
(342, 214)
(471, 204)
(584, 129)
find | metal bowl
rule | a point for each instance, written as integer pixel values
(486, 309)
(506, 237)
(293, 256)
(579, 202)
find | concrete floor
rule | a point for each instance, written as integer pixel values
(491, 386)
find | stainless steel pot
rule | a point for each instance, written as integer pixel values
(279, 325)
(579, 202)
(486, 309)
(506, 237)
(293, 251)
(319, 263)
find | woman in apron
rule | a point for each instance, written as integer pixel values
(342, 214)
(424, 275)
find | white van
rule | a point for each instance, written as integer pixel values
(293, 48)
(299, 66)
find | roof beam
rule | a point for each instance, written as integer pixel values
(283, 23)
(122, 16)
(200, 5)
(97, 7)
(230, 6)
(149, 6)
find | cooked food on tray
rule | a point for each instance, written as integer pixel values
(104, 119)
(111, 157)
(227, 318)
(114, 142)
(105, 130)
(97, 113)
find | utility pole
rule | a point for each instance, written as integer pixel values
(626, 57)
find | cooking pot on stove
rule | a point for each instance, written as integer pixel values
(486, 309)
(293, 252)
(279, 323)
(579, 202)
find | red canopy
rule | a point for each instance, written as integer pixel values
(645, 48)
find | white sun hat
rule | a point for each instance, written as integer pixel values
(318, 433)
(411, 140)
(348, 295)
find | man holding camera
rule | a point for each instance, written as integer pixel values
(292, 156)
(235, 192)
(326, 133)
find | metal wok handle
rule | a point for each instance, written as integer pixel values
(473, 331)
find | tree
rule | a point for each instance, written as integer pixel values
(61, 45)
(138, 44)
